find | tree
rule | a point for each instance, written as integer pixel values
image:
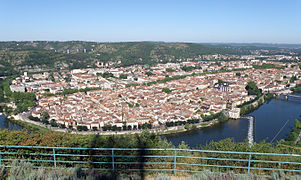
(33, 118)
(129, 104)
(253, 89)
(53, 123)
(23, 101)
(62, 126)
(187, 68)
(148, 73)
(166, 90)
(51, 77)
(222, 117)
(82, 128)
(106, 127)
(293, 78)
(219, 81)
(107, 75)
(186, 126)
(45, 117)
(169, 70)
(123, 76)
(114, 128)
(149, 125)
(68, 78)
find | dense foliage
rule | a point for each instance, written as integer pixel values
(180, 123)
(212, 116)
(267, 66)
(143, 141)
(2, 96)
(297, 89)
(253, 89)
(21, 169)
(169, 70)
(166, 90)
(292, 138)
(190, 68)
(22, 100)
(249, 102)
(20, 56)
(268, 96)
(123, 76)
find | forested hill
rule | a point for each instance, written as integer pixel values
(141, 49)
(49, 55)
(43, 55)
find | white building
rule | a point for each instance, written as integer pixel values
(234, 113)
(15, 88)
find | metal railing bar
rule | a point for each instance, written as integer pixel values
(148, 156)
(275, 169)
(210, 165)
(85, 162)
(12, 153)
(58, 161)
(121, 169)
(143, 156)
(146, 163)
(60, 158)
(82, 155)
(287, 162)
(237, 152)
(209, 158)
(152, 149)
(32, 160)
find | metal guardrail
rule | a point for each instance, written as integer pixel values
(148, 159)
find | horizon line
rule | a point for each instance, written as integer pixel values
(193, 42)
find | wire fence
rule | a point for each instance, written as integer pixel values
(147, 159)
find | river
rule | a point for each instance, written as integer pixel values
(268, 120)
(6, 124)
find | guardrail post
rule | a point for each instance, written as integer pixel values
(54, 158)
(175, 163)
(249, 163)
(113, 166)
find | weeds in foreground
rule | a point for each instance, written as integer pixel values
(21, 170)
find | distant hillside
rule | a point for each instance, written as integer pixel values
(49, 55)
(16, 56)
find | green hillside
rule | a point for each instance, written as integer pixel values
(43, 55)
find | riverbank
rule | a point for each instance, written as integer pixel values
(273, 115)
(294, 138)
(30, 125)
(39, 126)
(181, 129)
(269, 119)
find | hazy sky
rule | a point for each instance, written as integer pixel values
(270, 21)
